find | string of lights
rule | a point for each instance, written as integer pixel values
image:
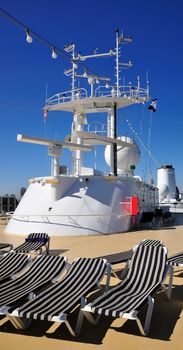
(31, 35)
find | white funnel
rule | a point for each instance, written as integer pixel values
(166, 183)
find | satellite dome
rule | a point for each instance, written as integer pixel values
(127, 156)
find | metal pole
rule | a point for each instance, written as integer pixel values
(73, 72)
(117, 61)
(115, 146)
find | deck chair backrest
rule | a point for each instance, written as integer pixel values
(83, 276)
(42, 237)
(145, 274)
(34, 241)
(12, 263)
(147, 262)
(42, 271)
(152, 242)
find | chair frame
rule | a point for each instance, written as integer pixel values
(133, 315)
(22, 323)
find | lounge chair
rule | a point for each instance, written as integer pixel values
(12, 263)
(41, 272)
(34, 242)
(57, 301)
(145, 276)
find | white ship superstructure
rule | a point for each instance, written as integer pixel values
(88, 202)
(170, 198)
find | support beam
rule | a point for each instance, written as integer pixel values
(49, 142)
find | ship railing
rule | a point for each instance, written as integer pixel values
(124, 91)
(67, 96)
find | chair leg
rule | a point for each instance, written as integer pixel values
(48, 246)
(144, 330)
(168, 290)
(19, 323)
(70, 329)
(108, 270)
(80, 316)
(124, 271)
(79, 323)
(149, 314)
(90, 318)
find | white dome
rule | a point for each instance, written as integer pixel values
(126, 156)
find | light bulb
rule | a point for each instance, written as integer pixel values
(28, 37)
(54, 54)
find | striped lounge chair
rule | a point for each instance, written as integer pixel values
(43, 270)
(145, 276)
(34, 242)
(57, 301)
(11, 264)
(176, 260)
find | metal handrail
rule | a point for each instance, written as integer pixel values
(125, 91)
(67, 96)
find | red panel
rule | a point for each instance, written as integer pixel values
(135, 205)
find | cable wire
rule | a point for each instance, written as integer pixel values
(41, 39)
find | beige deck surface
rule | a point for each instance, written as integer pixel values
(167, 322)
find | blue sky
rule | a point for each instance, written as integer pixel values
(156, 28)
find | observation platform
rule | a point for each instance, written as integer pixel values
(99, 100)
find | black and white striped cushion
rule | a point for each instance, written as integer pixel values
(176, 260)
(41, 272)
(82, 278)
(144, 277)
(12, 263)
(33, 242)
(126, 255)
(152, 242)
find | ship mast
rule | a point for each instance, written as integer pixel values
(79, 119)
(106, 97)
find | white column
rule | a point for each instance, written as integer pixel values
(79, 120)
(54, 152)
(112, 136)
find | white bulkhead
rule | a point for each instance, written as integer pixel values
(85, 204)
